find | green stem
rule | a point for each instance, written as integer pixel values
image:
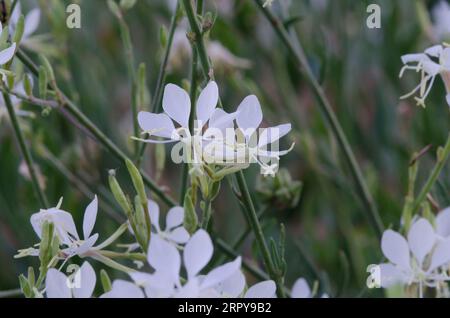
(10, 293)
(84, 121)
(157, 95)
(129, 56)
(296, 51)
(259, 235)
(441, 160)
(25, 152)
(113, 237)
(199, 43)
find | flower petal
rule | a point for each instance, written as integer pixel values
(390, 275)
(179, 235)
(417, 57)
(153, 211)
(395, 248)
(221, 273)
(266, 289)
(197, 253)
(272, 134)
(176, 104)
(31, 22)
(175, 217)
(441, 255)
(164, 257)
(7, 54)
(207, 102)
(301, 289)
(421, 238)
(123, 289)
(443, 222)
(249, 115)
(159, 125)
(56, 285)
(435, 50)
(233, 286)
(87, 283)
(87, 245)
(90, 215)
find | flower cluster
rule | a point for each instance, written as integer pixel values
(220, 138)
(421, 258)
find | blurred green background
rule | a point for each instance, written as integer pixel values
(329, 238)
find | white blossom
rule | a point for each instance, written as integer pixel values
(174, 231)
(416, 259)
(80, 285)
(433, 62)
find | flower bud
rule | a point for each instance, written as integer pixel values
(48, 68)
(43, 82)
(18, 33)
(190, 216)
(118, 193)
(27, 85)
(106, 281)
(137, 180)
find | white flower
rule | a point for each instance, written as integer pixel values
(433, 62)
(66, 230)
(82, 284)
(64, 225)
(165, 259)
(81, 247)
(174, 231)
(416, 260)
(441, 16)
(123, 289)
(249, 118)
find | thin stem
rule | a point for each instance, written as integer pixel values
(300, 58)
(113, 237)
(441, 160)
(157, 95)
(25, 152)
(129, 56)
(193, 97)
(10, 293)
(85, 122)
(259, 235)
(199, 43)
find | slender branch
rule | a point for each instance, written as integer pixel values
(129, 55)
(259, 235)
(10, 293)
(157, 95)
(193, 97)
(441, 161)
(85, 122)
(300, 58)
(25, 152)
